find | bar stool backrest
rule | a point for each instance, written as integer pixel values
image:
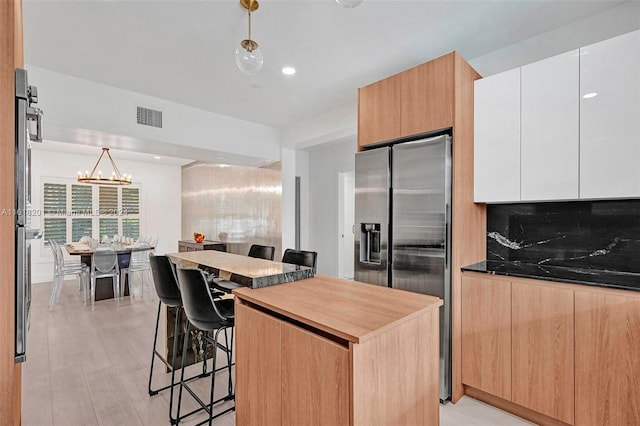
(300, 257)
(164, 280)
(262, 252)
(197, 300)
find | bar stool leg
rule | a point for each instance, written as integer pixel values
(184, 356)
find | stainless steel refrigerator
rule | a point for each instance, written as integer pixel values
(403, 226)
(28, 128)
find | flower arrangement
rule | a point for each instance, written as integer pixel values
(198, 237)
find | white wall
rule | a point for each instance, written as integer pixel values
(601, 26)
(324, 165)
(160, 197)
(77, 104)
(341, 122)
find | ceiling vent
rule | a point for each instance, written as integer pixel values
(149, 117)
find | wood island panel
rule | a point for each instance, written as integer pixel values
(315, 379)
(350, 310)
(542, 350)
(386, 374)
(258, 352)
(607, 359)
(377, 376)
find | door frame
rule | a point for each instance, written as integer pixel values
(341, 217)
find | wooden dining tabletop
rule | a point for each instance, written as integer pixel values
(80, 249)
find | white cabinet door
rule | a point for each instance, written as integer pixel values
(497, 138)
(549, 119)
(610, 118)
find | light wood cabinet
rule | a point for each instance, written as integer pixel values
(542, 349)
(426, 97)
(572, 351)
(324, 351)
(496, 147)
(418, 100)
(486, 335)
(609, 123)
(607, 359)
(379, 111)
(549, 129)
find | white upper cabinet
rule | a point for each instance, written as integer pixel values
(564, 128)
(497, 138)
(610, 118)
(549, 123)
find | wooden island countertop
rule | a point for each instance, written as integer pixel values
(351, 310)
(327, 351)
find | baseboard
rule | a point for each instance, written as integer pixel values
(518, 410)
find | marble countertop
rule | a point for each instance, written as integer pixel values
(254, 272)
(593, 277)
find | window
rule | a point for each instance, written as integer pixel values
(74, 210)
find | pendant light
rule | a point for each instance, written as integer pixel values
(349, 4)
(116, 177)
(249, 56)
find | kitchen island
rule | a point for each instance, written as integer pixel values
(327, 351)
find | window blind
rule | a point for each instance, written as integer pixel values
(108, 200)
(55, 199)
(81, 200)
(108, 227)
(81, 227)
(55, 229)
(130, 201)
(131, 228)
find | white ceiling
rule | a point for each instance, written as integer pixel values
(183, 51)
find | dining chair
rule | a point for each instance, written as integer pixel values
(62, 269)
(300, 257)
(212, 317)
(104, 264)
(138, 262)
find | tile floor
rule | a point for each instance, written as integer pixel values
(91, 368)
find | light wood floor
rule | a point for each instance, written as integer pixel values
(91, 368)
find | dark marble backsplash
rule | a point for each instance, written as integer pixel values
(577, 234)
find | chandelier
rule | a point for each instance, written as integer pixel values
(116, 177)
(249, 56)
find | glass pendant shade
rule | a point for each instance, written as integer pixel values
(349, 4)
(249, 61)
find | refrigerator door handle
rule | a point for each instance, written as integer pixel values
(22, 320)
(446, 236)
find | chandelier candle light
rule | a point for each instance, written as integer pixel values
(249, 56)
(116, 177)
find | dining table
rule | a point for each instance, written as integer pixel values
(104, 286)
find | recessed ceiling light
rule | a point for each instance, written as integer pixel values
(590, 95)
(288, 71)
(157, 157)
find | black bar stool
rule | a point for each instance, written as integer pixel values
(166, 285)
(212, 317)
